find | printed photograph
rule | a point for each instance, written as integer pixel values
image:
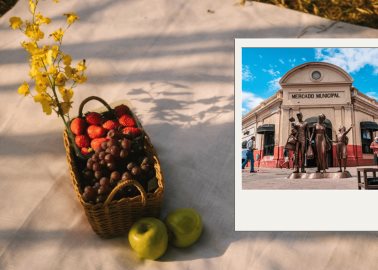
(309, 118)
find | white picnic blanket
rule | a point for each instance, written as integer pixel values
(174, 61)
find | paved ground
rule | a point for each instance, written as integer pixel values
(275, 178)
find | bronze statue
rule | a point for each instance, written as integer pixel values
(341, 147)
(300, 147)
(322, 143)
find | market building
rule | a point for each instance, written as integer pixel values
(313, 88)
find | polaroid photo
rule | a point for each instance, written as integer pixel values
(306, 134)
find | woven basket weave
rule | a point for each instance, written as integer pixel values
(114, 218)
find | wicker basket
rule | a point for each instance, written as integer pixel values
(114, 218)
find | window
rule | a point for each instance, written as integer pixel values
(316, 75)
(366, 140)
(268, 144)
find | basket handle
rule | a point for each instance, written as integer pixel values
(123, 184)
(85, 101)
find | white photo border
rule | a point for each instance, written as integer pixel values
(298, 210)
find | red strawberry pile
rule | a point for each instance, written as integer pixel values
(93, 129)
(115, 152)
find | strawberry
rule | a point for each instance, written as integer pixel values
(96, 143)
(132, 131)
(82, 141)
(121, 110)
(85, 150)
(78, 126)
(126, 121)
(95, 131)
(110, 124)
(93, 118)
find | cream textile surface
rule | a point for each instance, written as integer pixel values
(174, 61)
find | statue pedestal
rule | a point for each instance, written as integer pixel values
(317, 175)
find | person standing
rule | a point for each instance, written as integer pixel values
(251, 145)
(374, 146)
(322, 143)
(300, 147)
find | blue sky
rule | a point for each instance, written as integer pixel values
(262, 68)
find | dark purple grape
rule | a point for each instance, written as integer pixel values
(136, 171)
(111, 166)
(130, 166)
(96, 166)
(103, 190)
(104, 181)
(127, 176)
(102, 155)
(114, 150)
(115, 176)
(109, 158)
(123, 153)
(90, 164)
(126, 144)
(104, 145)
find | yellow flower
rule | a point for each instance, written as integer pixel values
(66, 94)
(41, 82)
(33, 32)
(69, 71)
(32, 6)
(71, 17)
(42, 20)
(24, 89)
(65, 106)
(53, 71)
(81, 65)
(45, 101)
(60, 79)
(52, 54)
(15, 22)
(80, 78)
(29, 46)
(67, 60)
(56, 1)
(57, 35)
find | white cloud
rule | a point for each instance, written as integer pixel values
(304, 59)
(249, 101)
(281, 61)
(247, 74)
(272, 72)
(350, 59)
(372, 94)
(274, 85)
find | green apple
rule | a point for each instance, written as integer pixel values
(185, 226)
(149, 238)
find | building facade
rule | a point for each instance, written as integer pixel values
(313, 88)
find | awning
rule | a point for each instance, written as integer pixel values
(265, 128)
(312, 120)
(369, 125)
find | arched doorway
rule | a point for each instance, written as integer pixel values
(328, 124)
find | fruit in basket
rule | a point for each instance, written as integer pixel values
(126, 121)
(78, 126)
(149, 238)
(110, 124)
(131, 131)
(93, 118)
(96, 143)
(121, 110)
(185, 226)
(95, 131)
(82, 141)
